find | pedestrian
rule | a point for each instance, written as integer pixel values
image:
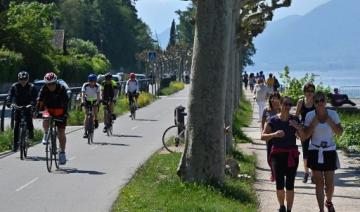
(282, 129)
(261, 93)
(270, 82)
(305, 105)
(320, 125)
(245, 80)
(272, 110)
(252, 81)
(276, 84)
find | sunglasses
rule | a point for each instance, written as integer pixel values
(289, 104)
(309, 91)
(275, 100)
(322, 100)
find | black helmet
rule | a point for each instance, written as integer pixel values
(23, 75)
(108, 76)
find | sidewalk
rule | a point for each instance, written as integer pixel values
(347, 179)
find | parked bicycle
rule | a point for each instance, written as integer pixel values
(51, 149)
(108, 119)
(173, 138)
(23, 130)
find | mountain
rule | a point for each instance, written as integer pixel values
(164, 38)
(325, 38)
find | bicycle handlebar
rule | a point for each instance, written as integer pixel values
(16, 107)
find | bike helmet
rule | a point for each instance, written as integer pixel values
(108, 76)
(50, 77)
(132, 75)
(92, 77)
(23, 75)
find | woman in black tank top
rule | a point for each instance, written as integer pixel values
(304, 106)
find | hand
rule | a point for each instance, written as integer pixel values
(294, 124)
(314, 122)
(279, 134)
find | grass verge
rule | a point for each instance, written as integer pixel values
(76, 117)
(242, 118)
(156, 187)
(7, 137)
(350, 139)
(173, 87)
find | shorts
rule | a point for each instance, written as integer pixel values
(330, 158)
(58, 112)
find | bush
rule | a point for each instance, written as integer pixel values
(10, 63)
(294, 87)
(7, 137)
(173, 87)
(351, 134)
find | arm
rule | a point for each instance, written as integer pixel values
(10, 96)
(299, 129)
(137, 87)
(267, 134)
(309, 129)
(337, 128)
(126, 87)
(298, 107)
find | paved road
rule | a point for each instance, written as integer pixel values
(347, 179)
(93, 175)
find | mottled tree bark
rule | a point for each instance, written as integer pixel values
(204, 156)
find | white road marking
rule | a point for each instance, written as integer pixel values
(134, 127)
(27, 184)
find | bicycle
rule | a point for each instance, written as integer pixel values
(23, 130)
(51, 149)
(132, 106)
(173, 138)
(108, 119)
(90, 122)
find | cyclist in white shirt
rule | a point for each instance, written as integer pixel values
(91, 96)
(132, 88)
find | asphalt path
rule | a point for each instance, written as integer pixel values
(94, 174)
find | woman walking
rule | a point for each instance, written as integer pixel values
(272, 110)
(281, 129)
(261, 94)
(321, 125)
(304, 106)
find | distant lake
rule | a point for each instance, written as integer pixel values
(332, 78)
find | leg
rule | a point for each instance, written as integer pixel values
(290, 181)
(29, 123)
(305, 147)
(329, 185)
(319, 187)
(95, 111)
(16, 132)
(278, 165)
(62, 138)
(85, 117)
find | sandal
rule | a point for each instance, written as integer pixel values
(329, 206)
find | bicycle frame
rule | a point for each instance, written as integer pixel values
(23, 130)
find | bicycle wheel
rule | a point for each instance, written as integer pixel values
(133, 110)
(26, 143)
(22, 143)
(48, 150)
(54, 150)
(172, 141)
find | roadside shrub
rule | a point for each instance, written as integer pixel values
(10, 63)
(173, 87)
(351, 134)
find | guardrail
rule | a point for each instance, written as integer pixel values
(74, 97)
(353, 92)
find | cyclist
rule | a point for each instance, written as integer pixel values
(53, 98)
(22, 93)
(90, 92)
(109, 92)
(132, 88)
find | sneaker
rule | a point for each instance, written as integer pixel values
(282, 208)
(85, 135)
(44, 139)
(96, 125)
(62, 158)
(306, 176)
(104, 130)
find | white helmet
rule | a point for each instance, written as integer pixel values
(50, 77)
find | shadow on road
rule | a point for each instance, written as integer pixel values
(35, 158)
(112, 144)
(146, 120)
(127, 136)
(77, 171)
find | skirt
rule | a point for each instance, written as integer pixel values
(330, 158)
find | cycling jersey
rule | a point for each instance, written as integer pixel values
(22, 96)
(108, 90)
(56, 100)
(132, 86)
(90, 93)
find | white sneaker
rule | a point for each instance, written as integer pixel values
(44, 139)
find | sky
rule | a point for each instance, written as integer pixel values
(158, 14)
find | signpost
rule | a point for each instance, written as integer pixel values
(152, 56)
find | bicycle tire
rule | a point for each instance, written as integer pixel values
(172, 142)
(26, 144)
(48, 150)
(54, 150)
(133, 110)
(22, 143)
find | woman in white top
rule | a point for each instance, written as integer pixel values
(321, 124)
(261, 93)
